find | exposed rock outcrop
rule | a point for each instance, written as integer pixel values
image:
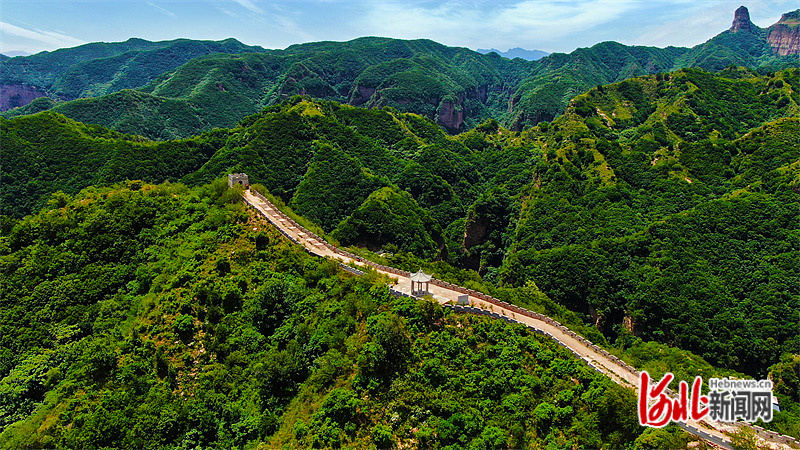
(741, 21)
(784, 36)
(630, 324)
(14, 95)
(451, 114)
(476, 232)
(361, 95)
(598, 319)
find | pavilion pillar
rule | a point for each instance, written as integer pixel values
(418, 280)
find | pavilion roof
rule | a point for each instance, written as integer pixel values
(420, 276)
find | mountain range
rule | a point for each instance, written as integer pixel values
(14, 53)
(658, 215)
(456, 87)
(516, 52)
(99, 68)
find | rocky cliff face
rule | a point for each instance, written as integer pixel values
(452, 114)
(784, 36)
(741, 21)
(14, 95)
(449, 113)
(476, 233)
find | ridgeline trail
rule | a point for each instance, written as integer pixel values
(716, 433)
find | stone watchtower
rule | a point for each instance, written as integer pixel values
(238, 178)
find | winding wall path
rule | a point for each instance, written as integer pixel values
(446, 293)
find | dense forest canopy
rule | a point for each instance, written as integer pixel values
(659, 216)
(608, 187)
(144, 316)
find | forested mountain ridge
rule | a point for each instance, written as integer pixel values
(748, 45)
(559, 77)
(100, 68)
(421, 72)
(48, 152)
(455, 87)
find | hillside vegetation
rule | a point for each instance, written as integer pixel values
(677, 198)
(144, 316)
(660, 209)
(47, 152)
(607, 187)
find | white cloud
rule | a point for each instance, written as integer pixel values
(162, 10)
(227, 12)
(561, 17)
(250, 6)
(691, 29)
(291, 28)
(52, 39)
(500, 24)
(275, 18)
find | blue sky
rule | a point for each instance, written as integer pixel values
(553, 26)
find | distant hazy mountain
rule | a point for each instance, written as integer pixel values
(14, 53)
(517, 52)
